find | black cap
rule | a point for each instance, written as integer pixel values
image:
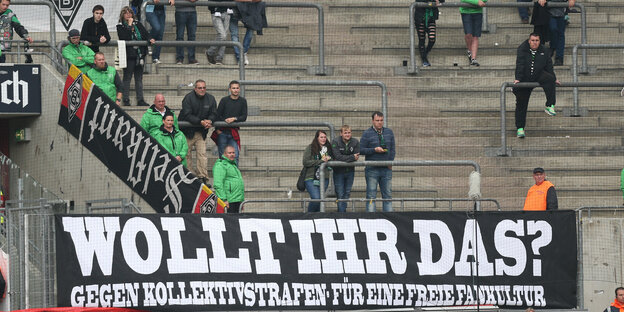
(74, 33)
(538, 170)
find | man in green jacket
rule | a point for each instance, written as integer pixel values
(106, 78)
(77, 53)
(472, 18)
(172, 139)
(228, 181)
(152, 118)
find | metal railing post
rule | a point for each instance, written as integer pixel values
(51, 9)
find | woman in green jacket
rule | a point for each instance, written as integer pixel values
(315, 154)
(228, 181)
(171, 139)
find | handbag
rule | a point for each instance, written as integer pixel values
(301, 180)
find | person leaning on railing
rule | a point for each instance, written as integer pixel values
(94, 29)
(425, 19)
(9, 22)
(106, 78)
(130, 29)
(77, 53)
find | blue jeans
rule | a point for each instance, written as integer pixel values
(383, 177)
(557, 35)
(157, 20)
(342, 183)
(224, 139)
(186, 20)
(234, 33)
(315, 193)
(524, 12)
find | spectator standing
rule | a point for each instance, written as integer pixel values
(542, 195)
(472, 19)
(221, 23)
(228, 180)
(533, 64)
(185, 18)
(425, 19)
(171, 138)
(618, 303)
(155, 15)
(130, 29)
(77, 53)
(540, 19)
(251, 13)
(94, 30)
(152, 118)
(523, 12)
(200, 109)
(8, 23)
(318, 152)
(344, 148)
(557, 29)
(106, 78)
(232, 108)
(377, 144)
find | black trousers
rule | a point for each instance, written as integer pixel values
(547, 82)
(234, 207)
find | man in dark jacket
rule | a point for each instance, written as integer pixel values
(533, 64)
(344, 148)
(377, 143)
(200, 109)
(232, 108)
(94, 29)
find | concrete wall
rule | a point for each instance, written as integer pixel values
(56, 159)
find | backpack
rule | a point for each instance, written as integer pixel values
(301, 180)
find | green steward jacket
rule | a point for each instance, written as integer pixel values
(174, 142)
(474, 10)
(105, 80)
(228, 181)
(152, 119)
(72, 53)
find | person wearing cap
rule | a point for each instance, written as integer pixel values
(77, 53)
(542, 195)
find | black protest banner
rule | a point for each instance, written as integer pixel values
(128, 151)
(317, 261)
(20, 89)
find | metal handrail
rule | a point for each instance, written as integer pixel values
(52, 48)
(320, 71)
(584, 69)
(217, 124)
(421, 163)
(412, 69)
(50, 6)
(503, 150)
(363, 83)
(241, 66)
(303, 201)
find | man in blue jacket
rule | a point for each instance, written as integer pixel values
(377, 143)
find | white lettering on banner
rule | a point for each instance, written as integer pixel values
(177, 263)
(174, 178)
(100, 242)
(17, 85)
(473, 247)
(510, 247)
(376, 246)
(336, 252)
(425, 230)
(267, 264)
(533, 227)
(132, 228)
(272, 294)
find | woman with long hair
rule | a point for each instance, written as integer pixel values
(315, 154)
(130, 29)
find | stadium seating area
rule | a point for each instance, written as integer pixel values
(444, 112)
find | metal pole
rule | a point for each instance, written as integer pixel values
(412, 69)
(503, 110)
(575, 95)
(51, 9)
(583, 33)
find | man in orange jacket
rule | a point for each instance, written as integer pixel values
(542, 195)
(618, 303)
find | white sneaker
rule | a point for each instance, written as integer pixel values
(156, 61)
(246, 59)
